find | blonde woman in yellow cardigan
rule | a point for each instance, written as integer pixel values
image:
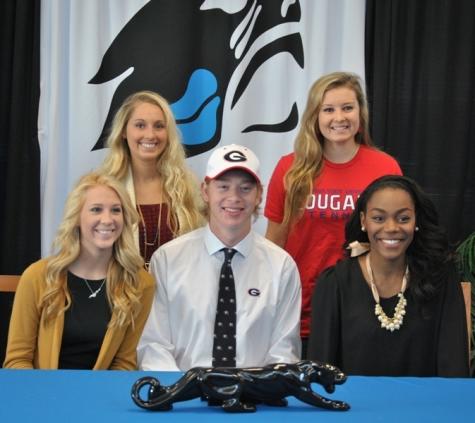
(85, 306)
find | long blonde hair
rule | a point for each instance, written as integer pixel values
(308, 147)
(122, 283)
(179, 186)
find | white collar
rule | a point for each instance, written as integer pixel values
(214, 244)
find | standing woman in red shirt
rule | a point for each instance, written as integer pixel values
(313, 190)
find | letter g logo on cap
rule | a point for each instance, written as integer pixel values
(235, 156)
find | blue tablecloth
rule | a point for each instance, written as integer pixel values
(87, 396)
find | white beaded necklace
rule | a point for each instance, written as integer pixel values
(395, 322)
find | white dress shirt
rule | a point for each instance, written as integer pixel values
(179, 332)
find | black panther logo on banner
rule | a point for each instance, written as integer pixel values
(188, 51)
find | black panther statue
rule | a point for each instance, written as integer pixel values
(239, 390)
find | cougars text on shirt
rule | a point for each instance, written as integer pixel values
(332, 204)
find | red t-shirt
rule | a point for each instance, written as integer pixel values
(316, 240)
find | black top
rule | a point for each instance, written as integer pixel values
(432, 340)
(85, 324)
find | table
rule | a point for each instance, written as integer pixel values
(104, 396)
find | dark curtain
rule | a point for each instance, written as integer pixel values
(20, 242)
(420, 75)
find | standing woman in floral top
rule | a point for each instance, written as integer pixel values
(146, 154)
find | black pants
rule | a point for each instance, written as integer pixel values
(304, 348)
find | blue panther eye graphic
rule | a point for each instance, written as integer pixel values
(196, 111)
(188, 52)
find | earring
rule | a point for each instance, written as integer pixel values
(417, 229)
(363, 229)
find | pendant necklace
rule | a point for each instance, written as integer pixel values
(395, 322)
(94, 293)
(144, 233)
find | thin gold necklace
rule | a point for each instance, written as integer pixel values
(144, 231)
(388, 323)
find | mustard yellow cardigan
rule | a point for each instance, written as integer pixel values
(34, 344)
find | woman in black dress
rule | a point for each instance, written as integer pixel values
(395, 306)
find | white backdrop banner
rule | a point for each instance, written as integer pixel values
(234, 71)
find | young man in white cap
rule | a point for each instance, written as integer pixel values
(226, 296)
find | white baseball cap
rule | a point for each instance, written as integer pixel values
(230, 157)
